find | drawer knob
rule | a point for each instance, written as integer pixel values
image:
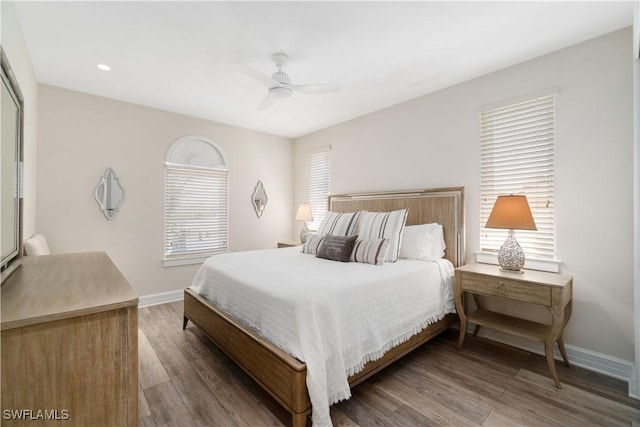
(501, 288)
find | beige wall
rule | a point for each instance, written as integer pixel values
(433, 141)
(80, 135)
(16, 50)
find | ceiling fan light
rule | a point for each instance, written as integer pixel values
(280, 92)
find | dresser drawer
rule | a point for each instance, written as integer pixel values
(506, 288)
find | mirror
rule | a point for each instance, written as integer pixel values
(109, 194)
(10, 170)
(259, 199)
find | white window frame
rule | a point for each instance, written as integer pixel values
(196, 202)
(517, 146)
(318, 184)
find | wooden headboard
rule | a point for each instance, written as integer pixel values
(441, 205)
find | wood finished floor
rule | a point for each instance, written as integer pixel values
(184, 380)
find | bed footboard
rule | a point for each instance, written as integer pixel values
(278, 373)
(281, 375)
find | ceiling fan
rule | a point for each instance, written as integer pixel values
(279, 84)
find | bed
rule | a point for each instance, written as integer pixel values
(285, 377)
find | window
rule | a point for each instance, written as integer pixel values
(196, 201)
(318, 181)
(516, 157)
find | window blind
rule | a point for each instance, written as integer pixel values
(517, 157)
(318, 182)
(196, 211)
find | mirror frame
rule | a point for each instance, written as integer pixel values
(13, 260)
(104, 191)
(257, 201)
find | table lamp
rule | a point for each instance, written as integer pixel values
(304, 214)
(511, 212)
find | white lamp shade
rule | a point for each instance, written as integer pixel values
(304, 213)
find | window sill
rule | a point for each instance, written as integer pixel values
(175, 262)
(550, 265)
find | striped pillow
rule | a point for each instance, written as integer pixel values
(312, 244)
(384, 225)
(339, 224)
(370, 251)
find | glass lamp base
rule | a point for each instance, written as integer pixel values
(304, 233)
(511, 256)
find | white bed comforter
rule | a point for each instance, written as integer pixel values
(333, 316)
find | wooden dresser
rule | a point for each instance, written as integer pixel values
(69, 343)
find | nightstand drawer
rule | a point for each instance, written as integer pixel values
(511, 289)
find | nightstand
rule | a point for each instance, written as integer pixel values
(550, 290)
(288, 243)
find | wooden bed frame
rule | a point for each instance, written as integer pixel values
(283, 376)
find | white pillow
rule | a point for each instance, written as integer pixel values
(424, 242)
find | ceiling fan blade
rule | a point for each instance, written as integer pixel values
(257, 75)
(316, 88)
(267, 101)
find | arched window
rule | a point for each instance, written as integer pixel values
(196, 201)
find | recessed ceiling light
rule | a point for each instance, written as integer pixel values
(103, 67)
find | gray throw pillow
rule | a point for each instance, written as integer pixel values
(336, 248)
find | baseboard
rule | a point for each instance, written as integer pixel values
(155, 299)
(634, 391)
(591, 360)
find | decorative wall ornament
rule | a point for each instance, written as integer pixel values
(259, 199)
(109, 194)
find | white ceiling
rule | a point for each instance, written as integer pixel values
(179, 56)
